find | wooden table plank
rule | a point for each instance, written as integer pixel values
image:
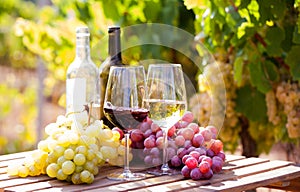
(228, 175)
(257, 180)
(14, 156)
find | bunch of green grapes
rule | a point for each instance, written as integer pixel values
(73, 150)
(217, 83)
(288, 95)
(272, 108)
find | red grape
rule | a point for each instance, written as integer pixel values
(210, 153)
(144, 126)
(194, 126)
(155, 127)
(148, 133)
(185, 171)
(207, 159)
(179, 140)
(187, 133)
(136, 135)
(208, 175)
(159, 133)
(216, 165)
(195, 154)
(216, 146)
(222, 155)
(198, 140)
(187, 144)
(156, 161)
(159, 142)
(171, 131)
(185, 157)
(188, 116)
(207, 134)
(204, 167)
(191, 162)
(154, 152)
(120, 132)
(148, 160)
(195, 174)
(176, 161)
(181, 152)
(149, 142)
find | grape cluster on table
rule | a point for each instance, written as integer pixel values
(193, 149)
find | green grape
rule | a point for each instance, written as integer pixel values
(90, 155)
(90, 166)
(23, 171)
(76, 178)
(43, 146)
(79, 159)
(52, 170)
(61, 160)
(60, 175)
(51, 144)
(81, 149)
(13, 170)
(63, 140)
(108, 152)
(33, 170)
(86, 176)
(59, 151)
(79, 169)
(69, 154)
(68, 167)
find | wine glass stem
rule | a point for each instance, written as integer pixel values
(165, 167)
(126, 171)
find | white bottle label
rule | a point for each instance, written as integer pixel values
(75, 94)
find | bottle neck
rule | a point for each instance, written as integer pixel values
(83, 47)
(115, 46)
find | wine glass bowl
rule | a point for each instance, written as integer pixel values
(125, 107)
(167, 102)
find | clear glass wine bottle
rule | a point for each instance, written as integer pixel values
(82, 75)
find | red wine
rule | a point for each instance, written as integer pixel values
(126, 118)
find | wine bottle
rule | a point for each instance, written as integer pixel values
(82, 75)
(114, 59)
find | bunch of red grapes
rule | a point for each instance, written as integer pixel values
(193, 149)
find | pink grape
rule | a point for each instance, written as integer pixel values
(156, 161)
(187, 133)
(159, 142)
(136, 135)
(191, 148)
(216, 146)
(149, 142)
(171, 131)
(159, 133)
(181, 124)
(187, 144)
(185, 157)
(191, 163)
(207, 159)
(210, 153)
(176, 161)
(207, 134)
(154, 152)
(188, 117)
(195, 174)
(185, 171)
(198, 140)
(213, 129)
(144, 126)
(201, 158)
(146, 151)
(147, 133)
(194, 126)
(148, 160)
(201, 150)
(195, 154)
(179, 140)
(222, 155)
(155, 127)
(216, 165)
(140, 145)
(204, 167)
(181, 152)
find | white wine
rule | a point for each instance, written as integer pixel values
(165, 113)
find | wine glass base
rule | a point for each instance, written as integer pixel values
(126, 176)
(159, 172)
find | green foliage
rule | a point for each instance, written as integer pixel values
(261, 40)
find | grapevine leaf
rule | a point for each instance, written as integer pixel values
(293, 61)
(238, 70)
(244, 4)
(274, 47)
(251, 103)
(271, 71)
(296, 35)
(258, 77)
(151, 10)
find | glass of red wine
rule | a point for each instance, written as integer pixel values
(167, 103)
(125, 107)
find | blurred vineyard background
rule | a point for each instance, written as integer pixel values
(256, 44)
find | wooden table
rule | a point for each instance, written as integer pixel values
(238, 174)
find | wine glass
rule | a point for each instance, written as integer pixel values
(167, 103)
(125, 107)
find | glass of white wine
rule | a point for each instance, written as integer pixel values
(167, 103)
